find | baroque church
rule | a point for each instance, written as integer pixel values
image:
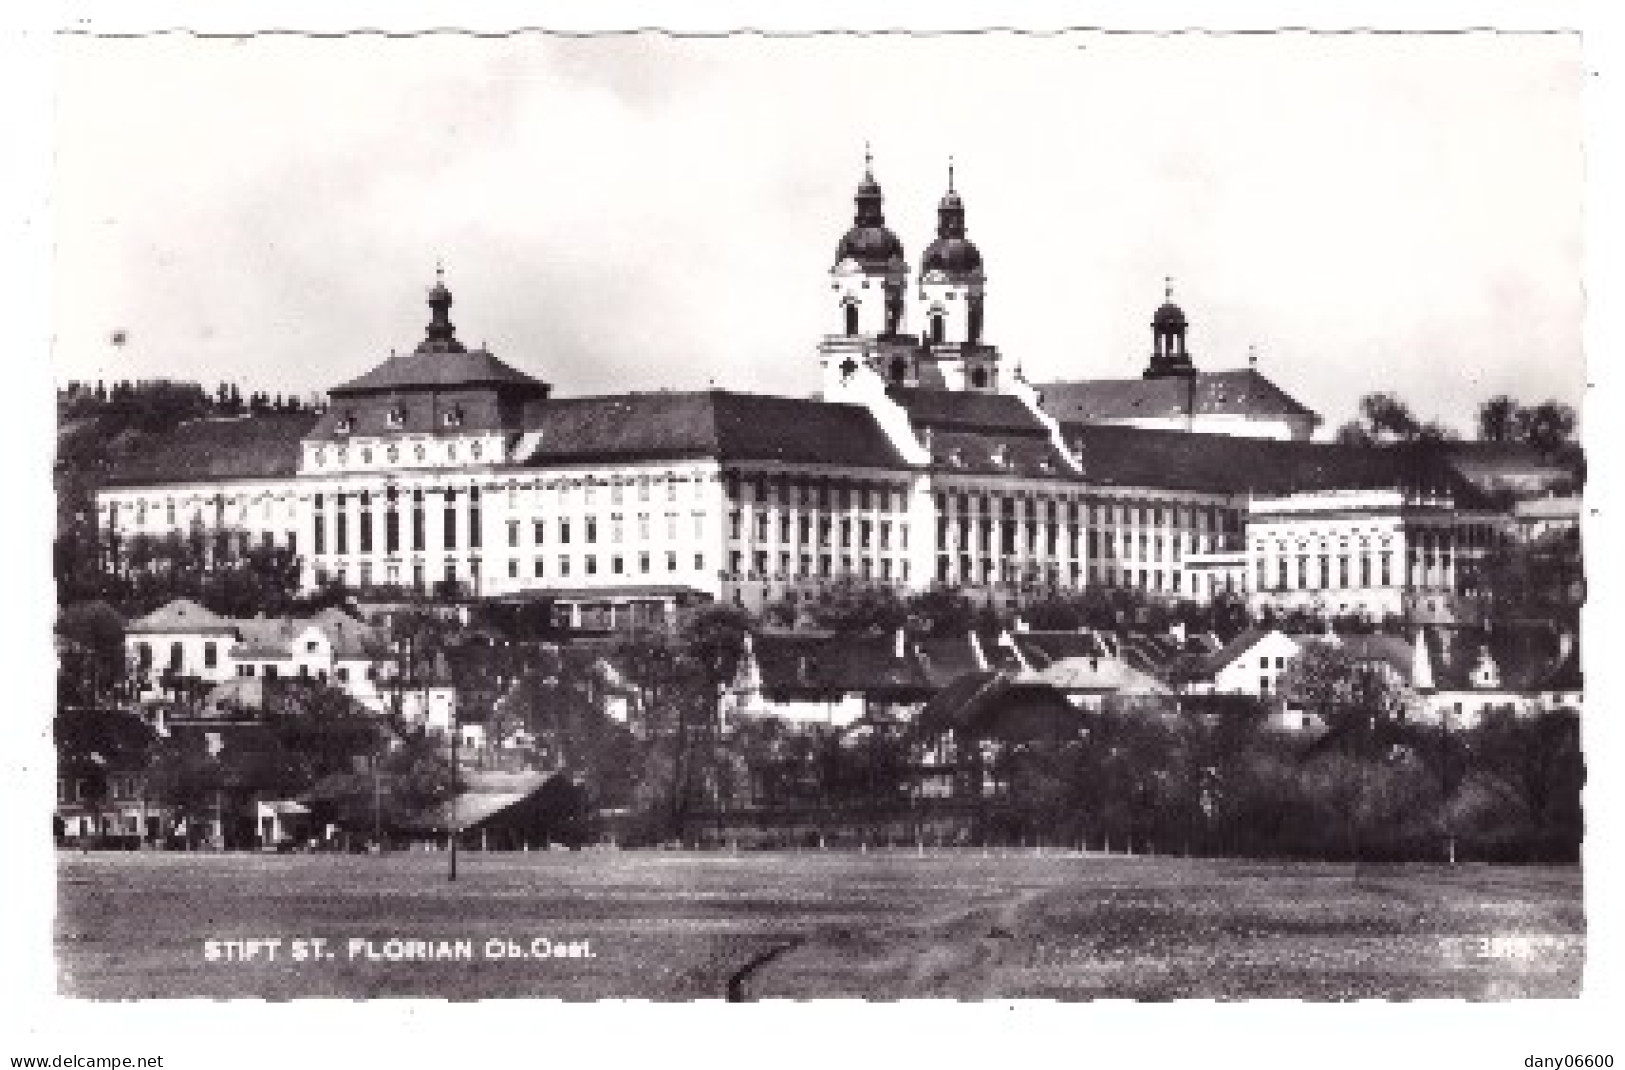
(926, 459)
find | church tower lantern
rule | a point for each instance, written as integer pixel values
(1169, 358)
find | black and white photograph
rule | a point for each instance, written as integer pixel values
(1067, 516)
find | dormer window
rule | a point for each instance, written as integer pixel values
(454, 416)
(396, 416)
(956, 458)
(1000, 457)
(346, 423)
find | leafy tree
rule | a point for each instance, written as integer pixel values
(93, 668)
(1498, 420)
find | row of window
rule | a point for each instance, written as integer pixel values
(865, 534)
(617, 564)
(840, 495)
(810, 566)
(1346, 572)
(1201, 518)
(616, 529)
(392, 523)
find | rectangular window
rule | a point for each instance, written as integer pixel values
(699, 562)
(474, 524)
(592, 564)
(419, 529)
(736, 562)
(449, 532)
(513, 533)
(392, 532)
(538, 568)
(616, 565)
(761, 527)
(564, 531)
(537, 527)
(671, 560)
(341, 531)
(733, 524)
(209, 655)
(366, 529)
(513, 568)
(592, 530)
(321, 534)
(564, 566)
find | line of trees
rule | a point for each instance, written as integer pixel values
(157, 405)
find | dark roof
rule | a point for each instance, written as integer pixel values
(1228, 464)
(250, 447)
(1212, 664)
(441, 371)
(837, 664)
(997, 453)
(714, 423)
(1238, 392)
(944, 660)
(986, 705)
(965, 410)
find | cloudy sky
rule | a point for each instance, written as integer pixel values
(636, 212)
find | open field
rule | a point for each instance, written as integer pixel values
(683, 926)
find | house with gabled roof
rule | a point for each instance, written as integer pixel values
(183, 640)
(827, 680)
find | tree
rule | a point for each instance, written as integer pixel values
(1547, 427)
(93, 662)
(1542, 580)
(942, 612)
(852, 606)
(1498, 420)
(1388, 418)
(1357, 700)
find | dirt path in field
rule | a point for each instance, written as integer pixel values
(955, 952)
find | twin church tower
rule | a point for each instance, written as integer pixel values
(942, 345)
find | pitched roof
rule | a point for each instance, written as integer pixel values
(440, 371)
(965, 410)
(182, 616)
(944, 660)
(836, 664)
(998, 453)
(1100, 675)
(1244, 641)
(713, 423)
(993, 705)
(249, 447)
(1237, 392)
(1227, 464)
(1391, 650)
(1045, 648)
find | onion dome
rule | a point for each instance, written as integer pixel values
(870, 242)
(441, 336)
(952, 252)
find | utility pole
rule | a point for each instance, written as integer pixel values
(452, 812)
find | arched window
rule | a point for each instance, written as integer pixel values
(978, 378)
(939, 329)
(851, 319)
(899, 369)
